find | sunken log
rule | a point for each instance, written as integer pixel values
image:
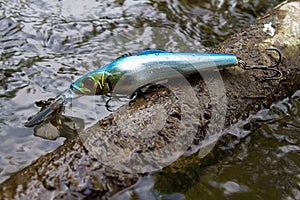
(72, 171)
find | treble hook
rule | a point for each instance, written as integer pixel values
(278, 73)
(107, 106)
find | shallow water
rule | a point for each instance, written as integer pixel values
(45, 45)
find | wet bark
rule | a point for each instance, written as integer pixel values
(71, 172)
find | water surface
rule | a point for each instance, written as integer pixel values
(45, 45)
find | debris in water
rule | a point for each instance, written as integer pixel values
(268, 28)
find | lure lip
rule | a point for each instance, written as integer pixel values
(61, 100)
(43, 114)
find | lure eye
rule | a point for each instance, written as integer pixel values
(88, 83)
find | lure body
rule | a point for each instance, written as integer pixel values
(148, 67)
(127, 74)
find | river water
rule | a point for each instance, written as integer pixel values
(45, 45)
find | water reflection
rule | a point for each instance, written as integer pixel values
(59, 126)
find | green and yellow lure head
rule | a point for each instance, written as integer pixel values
(94, 83)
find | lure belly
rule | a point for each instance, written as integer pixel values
(148, 67)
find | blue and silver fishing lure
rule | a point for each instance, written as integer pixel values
(147, 67)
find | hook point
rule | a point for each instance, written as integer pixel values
(279, 56)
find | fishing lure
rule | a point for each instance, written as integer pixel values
(138, 70)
